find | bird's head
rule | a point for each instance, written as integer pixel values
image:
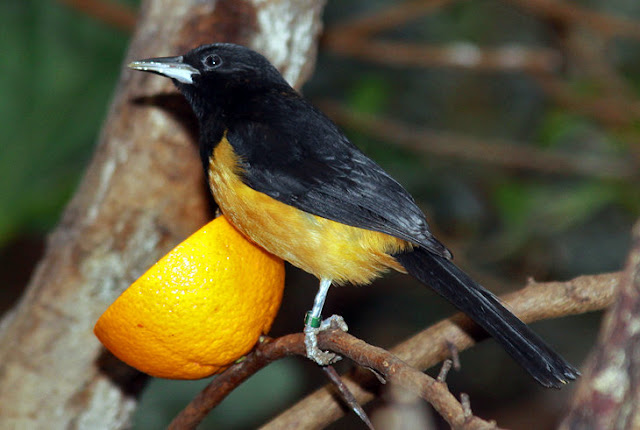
(211, 73)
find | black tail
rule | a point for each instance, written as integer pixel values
(529, 350)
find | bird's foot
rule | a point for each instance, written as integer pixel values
(323, 358)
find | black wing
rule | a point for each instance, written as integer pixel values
(296, 155)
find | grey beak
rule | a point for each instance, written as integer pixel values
(171, 67)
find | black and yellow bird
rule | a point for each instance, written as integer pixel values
(289, 180)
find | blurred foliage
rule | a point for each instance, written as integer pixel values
(532, 210)
(58, 70)
(502, 214)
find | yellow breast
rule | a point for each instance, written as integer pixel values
(324, 248)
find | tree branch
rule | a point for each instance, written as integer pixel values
(496, 152)
(393, 369)
(356, 37)
(609, 391)
(534, 302)
(610, 111)
(456, 55)
(142, 193)
(607, 25)
(387, 18)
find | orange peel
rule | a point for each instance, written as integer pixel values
(200, 308)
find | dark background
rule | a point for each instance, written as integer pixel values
(504, 223)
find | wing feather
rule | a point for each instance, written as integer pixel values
(301, 158)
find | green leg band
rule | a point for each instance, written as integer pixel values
(311, 321)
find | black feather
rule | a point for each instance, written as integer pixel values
(296, 155)
(526, 348)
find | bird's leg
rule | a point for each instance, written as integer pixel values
(313, 324)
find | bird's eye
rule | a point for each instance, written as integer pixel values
(212, 61)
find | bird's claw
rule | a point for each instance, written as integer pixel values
(323, 358)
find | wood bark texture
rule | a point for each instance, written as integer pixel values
(142, 193)
(609, 391)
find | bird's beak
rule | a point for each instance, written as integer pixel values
(171, 67)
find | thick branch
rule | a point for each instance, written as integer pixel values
(393, 369)
(142, 193)
(609, 391)
(536, 301)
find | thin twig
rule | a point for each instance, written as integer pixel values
(570, 12)
(534, 302)
(267, 351)
(455, 356)
(359, 38)
(391, 367)
(611, 111)
(389, 17)
(444, 371)
(496, 152)
(587, 54)
(462, 55)
(400, 373)
(347, 395)
(466, 404)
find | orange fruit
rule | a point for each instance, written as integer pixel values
(197, 310)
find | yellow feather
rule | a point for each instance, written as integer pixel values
(324, 248)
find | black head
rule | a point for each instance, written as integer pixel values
(211, 73)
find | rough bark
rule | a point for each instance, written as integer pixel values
(609, 390)
(142, 193)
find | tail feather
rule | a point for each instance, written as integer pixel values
(526, 348)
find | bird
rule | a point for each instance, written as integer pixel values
(288, 179)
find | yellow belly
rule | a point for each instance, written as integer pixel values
(324, 248)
